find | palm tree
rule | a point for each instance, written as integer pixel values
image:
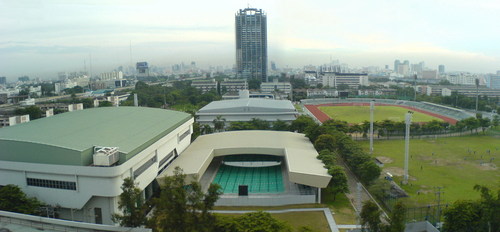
(219, 123)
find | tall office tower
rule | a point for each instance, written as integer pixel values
(3, 80)
(396, 65)
(441, 69)
(251, 44)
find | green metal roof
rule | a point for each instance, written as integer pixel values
(68, 138)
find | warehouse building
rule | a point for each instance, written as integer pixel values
(246, 109)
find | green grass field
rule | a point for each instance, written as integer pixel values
(358, 114)
(445, 162)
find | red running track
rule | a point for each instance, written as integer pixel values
(323, 117)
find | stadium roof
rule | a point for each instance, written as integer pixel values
(69, 138)
(248, 105)
(300, 155)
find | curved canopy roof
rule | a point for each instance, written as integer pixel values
(300, 155)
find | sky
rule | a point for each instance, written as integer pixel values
(40, 38)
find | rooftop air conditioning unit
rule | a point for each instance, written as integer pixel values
(105, 156)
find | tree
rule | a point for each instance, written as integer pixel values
(131, 204)
(219, 123)
(462, 216)
(496, 120)
(280, 126)
(343, 87)
(105, 104)
(368, 172)
(370, 216)
(328, 157)
(397, 219)
(260, 221)
(13, 199)
(302, 123)
(33, 111)
(479, 215)
(338, 183)
(254, 83)
(183, 206)
(325, 142)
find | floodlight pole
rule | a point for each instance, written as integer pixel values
(372, 109)
(407, 145)
(477, 93)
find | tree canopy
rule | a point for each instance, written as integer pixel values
(13, 199)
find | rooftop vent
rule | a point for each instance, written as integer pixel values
(105, 156)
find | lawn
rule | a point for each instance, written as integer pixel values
(315, 220)
(358, 114)
(343, 212)
(454, 163)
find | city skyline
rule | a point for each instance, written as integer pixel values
(41, 38)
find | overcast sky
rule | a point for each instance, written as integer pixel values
(41, 38)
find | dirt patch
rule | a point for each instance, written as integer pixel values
(395, 171)
(385, 160)
(488, 166)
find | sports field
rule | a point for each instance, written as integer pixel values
(454, 163)
(358, 114)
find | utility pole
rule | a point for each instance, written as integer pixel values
(372, 109)
(407, 145)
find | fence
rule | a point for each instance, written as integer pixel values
(426, 135)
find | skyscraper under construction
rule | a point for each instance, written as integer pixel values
(251, 44)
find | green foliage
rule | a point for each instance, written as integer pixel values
(183, 206)
(370, 216)
(480, 215)
(105, 104)
(219, 123)
(260, 222)
(13, 199)
(181, 93)
(302, 123)
(280, 126)
(131, 205)
(328, 157)
(338, 183)
(74, 90)
(325, 142)
(34, 112)
(397, 218)
(254, 83)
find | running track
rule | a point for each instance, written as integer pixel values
(323, 117)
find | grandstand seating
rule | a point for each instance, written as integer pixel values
(258, 179)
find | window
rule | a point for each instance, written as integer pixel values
(184, 135)
(68, 185)
(144, 167)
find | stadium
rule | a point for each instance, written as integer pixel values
(259, 168)
(444, 113)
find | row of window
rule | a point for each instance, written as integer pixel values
(57, 184)
(183, 135)
(145, 166)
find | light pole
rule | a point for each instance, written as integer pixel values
(372, 109)
(415, 86)
(477, 93)
(407, 145)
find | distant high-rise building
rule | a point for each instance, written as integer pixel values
(251, 43)
(441, 69)
(3, 80)
(498, 72)
(493, 81)
(23, 78)
(273, 66)
(142, 68)
(396, 65)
